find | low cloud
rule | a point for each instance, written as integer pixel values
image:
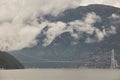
(18, 21)
(77, 28)
(19, 26)
(54, 30)
(114, 16)
(17, 36)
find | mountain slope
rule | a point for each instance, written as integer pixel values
(61, 49)
(9, 62)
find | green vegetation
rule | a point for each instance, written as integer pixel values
(9, 62)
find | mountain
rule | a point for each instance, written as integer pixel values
(9, 62)
(82, 54)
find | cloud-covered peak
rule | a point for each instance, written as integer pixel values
(19, 26)
(77, 28)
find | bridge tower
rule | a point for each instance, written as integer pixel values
(113, 60)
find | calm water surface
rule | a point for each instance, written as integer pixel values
(60, 74)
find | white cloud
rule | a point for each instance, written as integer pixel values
(19, 27)
(100, 35)
(54, 30)
(115, 16)
(17, 36)
(85, 26)
(18, 23)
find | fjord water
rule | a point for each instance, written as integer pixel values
(60, 74)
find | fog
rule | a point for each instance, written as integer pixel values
(60, 74)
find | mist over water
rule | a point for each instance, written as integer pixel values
(60, 74)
